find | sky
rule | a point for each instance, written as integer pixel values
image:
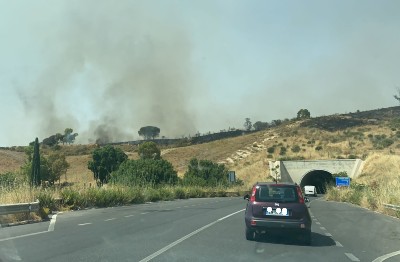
(106, 68)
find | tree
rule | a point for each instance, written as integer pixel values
(104, 161)
(57, 165)
(303, 114)
(149, 150)
(149, 132)
(69, 137)
(205, 173)
(260, 125)
(247, 124)
(35, 176)
(397, 97)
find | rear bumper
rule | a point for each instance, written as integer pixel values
(275, 224)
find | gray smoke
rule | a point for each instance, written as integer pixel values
(108, 75)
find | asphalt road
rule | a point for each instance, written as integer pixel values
(208, 229)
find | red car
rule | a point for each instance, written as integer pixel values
(277, 207)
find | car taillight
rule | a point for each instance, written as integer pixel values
(253, 195)
(300, 195)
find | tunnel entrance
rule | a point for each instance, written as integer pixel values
(317, 178)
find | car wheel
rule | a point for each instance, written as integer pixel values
(250, 234)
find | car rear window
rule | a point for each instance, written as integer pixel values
(269, 193)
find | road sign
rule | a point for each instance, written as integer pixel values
(342, 181)
(231, 176)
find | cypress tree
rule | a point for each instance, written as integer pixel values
(35, 177)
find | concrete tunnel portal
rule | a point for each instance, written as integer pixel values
(317, 178)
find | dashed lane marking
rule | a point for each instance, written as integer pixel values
(322, 228)
(84, 224)
(129, 215)
(318, 223)
(144, 213)
(328, 234)
(352, 257)
(110, 219)
(338, 244)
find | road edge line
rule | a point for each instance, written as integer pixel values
(386, 256)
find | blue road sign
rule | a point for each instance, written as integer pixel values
(342, 181)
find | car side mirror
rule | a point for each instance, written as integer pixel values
(246, 197)
(306, 199)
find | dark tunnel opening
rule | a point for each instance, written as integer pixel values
(317, 178)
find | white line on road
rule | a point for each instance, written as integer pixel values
(338, 244)
(144, 213)
(84, 224)
(352, 257)
(162, 250)
(322, 228)
(21, 236)
(53, 222)
(129, 216)
(318, 223)
(384, 257)
(110, 219)
(328, 234)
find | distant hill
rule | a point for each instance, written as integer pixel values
(352, 135)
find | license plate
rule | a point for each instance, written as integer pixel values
(272, 211)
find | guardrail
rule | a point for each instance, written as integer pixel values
(19, 208)
(393, 207)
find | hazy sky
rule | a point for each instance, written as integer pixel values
(107, 68)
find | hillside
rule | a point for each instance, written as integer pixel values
(353, 135)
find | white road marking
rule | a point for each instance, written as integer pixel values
(53, 222)
(338, 244)
(318, 223)
(129, 216)
(178, 207)
(384, 257)
(328, 234)
(84, 224)
(21, 236)
(162, 250)
(144, 213)
(185, 206)
(352, 257)
(323, 228)
(110, 219)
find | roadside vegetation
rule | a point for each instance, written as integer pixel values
(82, 176)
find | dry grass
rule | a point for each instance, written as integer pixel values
(21, 194)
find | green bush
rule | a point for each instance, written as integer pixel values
(296, 148)
(180, 193)
(10, 180)
(205, 173)
(196, 192)
(145, 172)
(282, 152)
(152, 195)
(271, 149)
(318, 148)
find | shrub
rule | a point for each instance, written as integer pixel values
(145, 172)
(180, 193)
(271, 149)
(318, 148)
(296, 149)
(283, 151)
(205, 173)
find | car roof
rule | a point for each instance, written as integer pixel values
(275, 184)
